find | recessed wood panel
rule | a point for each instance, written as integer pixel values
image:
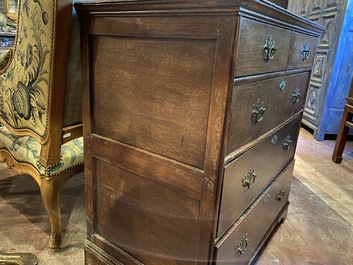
(154, 94)
(155, 224)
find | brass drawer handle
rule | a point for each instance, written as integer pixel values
(258, 111)
(269, 48)
(282, 85)
(280, 195)
(243, 244)
(305, 52)
(249, 179)
(295, 96)
(287, 143)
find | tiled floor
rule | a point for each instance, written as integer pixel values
(318, 229)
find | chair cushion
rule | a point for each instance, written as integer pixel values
(27, 150)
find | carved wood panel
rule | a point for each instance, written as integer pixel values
(329, 13)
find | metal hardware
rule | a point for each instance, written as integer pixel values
(267, 198)
(249, 179)
(295, 96)
(18, 258)
(243, 244)
(269, 48)
(280, 195)
(258, 111)
(287, 142)
(305, 52)
(274, 139)
(282, 85)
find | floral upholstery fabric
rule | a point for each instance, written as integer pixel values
(27, 149)
(4, 57)
(24, 98)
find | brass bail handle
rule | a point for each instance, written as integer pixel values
(258, 111)
(243, 244)
(287, 143)
(305, 52)
(296, 96)
(280, 195)
(249, 179)
(269, 48)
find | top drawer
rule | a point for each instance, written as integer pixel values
(262, 48)
(302, 51)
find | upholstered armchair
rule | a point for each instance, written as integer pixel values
(40, 102)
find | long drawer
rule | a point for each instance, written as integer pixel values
(247, 176)
(258, 107)
(241, 241)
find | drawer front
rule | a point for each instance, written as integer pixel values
(262, 48)
(259, 107)
(247, 176)
(303, 51)
(240, 243)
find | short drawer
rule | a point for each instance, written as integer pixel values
(261, 48)
(257, 108)
(247, 176)
(303, 51)
(241, 241)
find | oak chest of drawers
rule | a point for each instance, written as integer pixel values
(192, 111)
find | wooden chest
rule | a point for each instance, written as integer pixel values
(191, 112)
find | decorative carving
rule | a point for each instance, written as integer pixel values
(312, 96)
(304, 7)
(319, 66)
(317, 3)
(330, 14)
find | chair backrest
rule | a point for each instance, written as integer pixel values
(32, 86)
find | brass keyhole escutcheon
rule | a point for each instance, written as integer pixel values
(267, 198)
(258, 111)
(249, 179)
(282, 86)
(242, 245)
(274, 139)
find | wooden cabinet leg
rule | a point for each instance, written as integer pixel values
(51, 194)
